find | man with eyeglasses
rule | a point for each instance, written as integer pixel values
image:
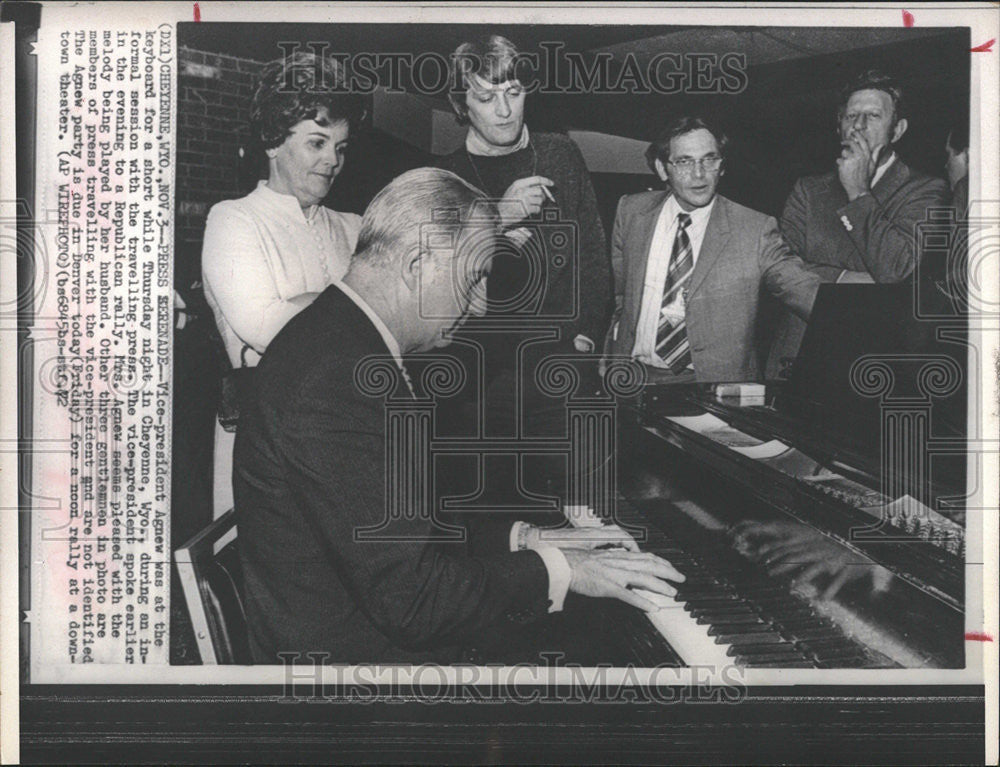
(858, 222)
(689, 265)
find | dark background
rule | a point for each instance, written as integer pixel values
(782, 126)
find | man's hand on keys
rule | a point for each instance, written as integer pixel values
(616, 573)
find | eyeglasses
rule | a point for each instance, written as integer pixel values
(709, 164)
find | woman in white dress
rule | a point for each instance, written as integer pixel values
(266, 256)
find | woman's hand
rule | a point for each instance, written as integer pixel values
(524, 198)
(814, 560)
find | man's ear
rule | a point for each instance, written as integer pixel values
(661, 171)
(412, 263)
(899, 130)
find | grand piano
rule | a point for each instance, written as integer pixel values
(853, 470)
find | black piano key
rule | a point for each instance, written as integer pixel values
(782, 664)
(697, 591)
(762, 660)
(815, 633)
(812, 632)
(752, 628)
(720, 611)
(749, 650)
(813, 623)
(691, 603)
(786, 624)
(746, 638)
(701, 582)
(791, 611)
(720, 621)
(826, 644)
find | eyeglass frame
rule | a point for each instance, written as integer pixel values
(702, 162)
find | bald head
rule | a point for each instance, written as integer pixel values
(423, 254)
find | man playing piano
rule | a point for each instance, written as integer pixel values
(689, 265)
(310, 465)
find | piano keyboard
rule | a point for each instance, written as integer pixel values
(730, 611)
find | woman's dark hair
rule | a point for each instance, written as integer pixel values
(660, 148)
(295, 88)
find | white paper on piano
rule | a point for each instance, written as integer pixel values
(769, 449)
(716, 430)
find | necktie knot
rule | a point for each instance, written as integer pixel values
(683, 219)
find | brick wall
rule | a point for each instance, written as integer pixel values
(213, 110)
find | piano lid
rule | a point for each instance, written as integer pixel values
(865, 354)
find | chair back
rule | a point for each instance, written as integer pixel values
(212, 579)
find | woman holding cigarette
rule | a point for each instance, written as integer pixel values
(551, 276)
(266, 256)
(538, 178)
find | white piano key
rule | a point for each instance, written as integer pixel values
(683, 633)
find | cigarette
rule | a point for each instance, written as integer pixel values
(548, 193)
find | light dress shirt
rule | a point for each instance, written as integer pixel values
(261, 253)
(656, 274)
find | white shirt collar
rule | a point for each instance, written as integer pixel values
(390, 340)
(884, 167)
(699, 216)
(286, 202)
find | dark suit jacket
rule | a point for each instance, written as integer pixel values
(310, 469)
(874, 234)
(741, 253)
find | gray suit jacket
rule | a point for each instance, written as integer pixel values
(741, 253)
(874, 234)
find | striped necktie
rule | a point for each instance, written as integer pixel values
(671, 340)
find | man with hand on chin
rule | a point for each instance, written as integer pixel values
(858, 223)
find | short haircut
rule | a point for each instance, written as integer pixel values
(295, 88)
(425, 204)
(874, 80)
(492, 57)
(958, 135)
(660, 148)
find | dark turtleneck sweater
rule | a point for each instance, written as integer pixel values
(568, 241)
